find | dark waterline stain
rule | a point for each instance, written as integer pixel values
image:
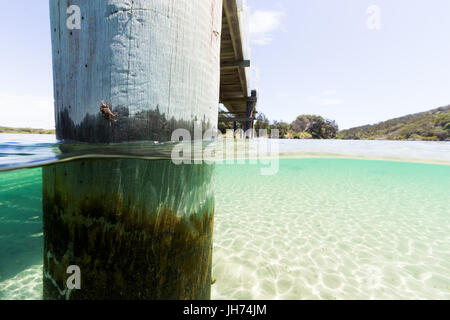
(149, 125)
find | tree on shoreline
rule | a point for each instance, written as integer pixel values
(316, 126)
(304, 127)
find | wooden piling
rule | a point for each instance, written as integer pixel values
(137, 229)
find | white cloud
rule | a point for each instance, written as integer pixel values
(325, 98)
(330, 102)
(254, 77)
(26, 111)
(262, 24)
(329, 92)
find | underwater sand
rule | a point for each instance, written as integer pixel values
(319, 229)
(333, 229)
(21, 238)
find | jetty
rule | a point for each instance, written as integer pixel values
(235, 94)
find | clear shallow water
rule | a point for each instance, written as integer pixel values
(419, 151)
(318, 229)
(21, 237)
(20, 151)
(26, 151)
(333, 229)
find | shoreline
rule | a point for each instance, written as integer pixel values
(7, 130)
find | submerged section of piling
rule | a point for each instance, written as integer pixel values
(125, 71)
(140, 230)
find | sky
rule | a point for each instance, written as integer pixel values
(353, 61)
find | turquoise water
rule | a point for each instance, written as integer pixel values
(21, 237)
(321, 228)
(333, 229)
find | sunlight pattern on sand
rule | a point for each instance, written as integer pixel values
(333, 229)
(26, 285)
(319, 229)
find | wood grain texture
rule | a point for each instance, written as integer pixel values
(139, 55)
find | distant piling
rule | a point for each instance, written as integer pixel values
(137, 229)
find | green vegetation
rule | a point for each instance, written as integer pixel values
(315, 127)
(304, 127)
(26, 130)
(223, 126)
(433, 125)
